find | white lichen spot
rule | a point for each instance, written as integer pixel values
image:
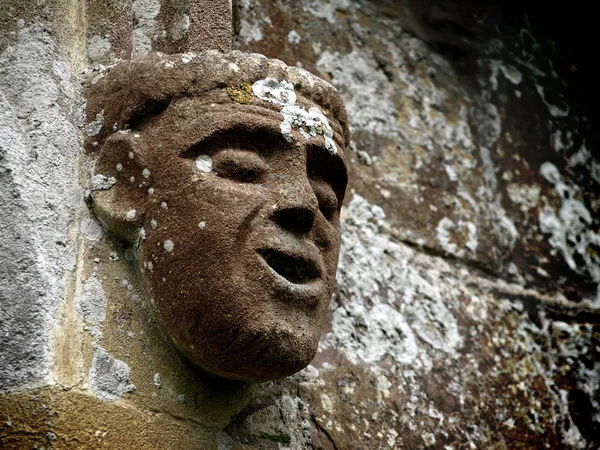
(164, 206)
(60, 69)
(132, 179)
(94, 127)
(327, 403)
(150, 190)
(293, 37)
(580, 157)
(157, 381)
(310, 123)
(146, 173)
(131, 155)
(187, 57)
(204, 163)
(201, 225)
(275, 91)
(429, 439)
(102, 182)
(432, 321)
(447, 231)
(504, 227)
(153, 224)
(328, 10)
(92, 301)
(130, 215)
(472, 237)
(91, 229)
(119, 167)
(558, 143)
(168, 246)
(252, 19)
(554, 110)
(511, 73)
(94, 332)
(109, 378)
(451, 172)
(526, 196)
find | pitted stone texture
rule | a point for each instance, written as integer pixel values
(38, 144)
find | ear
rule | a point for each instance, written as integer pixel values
(120, 206)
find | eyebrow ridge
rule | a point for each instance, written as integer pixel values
(237, 134)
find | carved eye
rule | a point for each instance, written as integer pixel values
(240, 165)
(328, 203)
(330, 173)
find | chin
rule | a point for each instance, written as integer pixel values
(257, 357)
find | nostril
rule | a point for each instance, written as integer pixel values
(299, 220)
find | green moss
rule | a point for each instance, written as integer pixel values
(242, 93)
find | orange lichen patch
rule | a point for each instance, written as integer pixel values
(242, 93)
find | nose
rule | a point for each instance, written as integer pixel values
(296, 206)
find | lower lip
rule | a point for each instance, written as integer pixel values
(307, 293)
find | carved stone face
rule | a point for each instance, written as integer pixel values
(239, 234)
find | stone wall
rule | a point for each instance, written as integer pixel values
(468, 304)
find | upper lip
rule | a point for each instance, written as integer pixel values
(296, 267)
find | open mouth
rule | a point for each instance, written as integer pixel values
(295, 269)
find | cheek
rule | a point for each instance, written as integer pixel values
(210, 219)
(326, 235)
(204, 203)
(328, 240)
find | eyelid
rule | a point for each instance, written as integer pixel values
(247, 153)
(237, 164)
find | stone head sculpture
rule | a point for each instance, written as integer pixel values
(226, 173)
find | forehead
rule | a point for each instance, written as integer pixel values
(189, 121)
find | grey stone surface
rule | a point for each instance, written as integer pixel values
(38, 144)
(469, 173)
